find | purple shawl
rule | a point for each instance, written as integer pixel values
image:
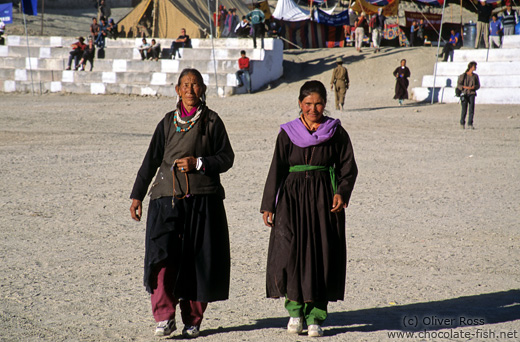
(301, 137)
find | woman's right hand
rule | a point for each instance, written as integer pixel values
(136, 209)
(268, 219)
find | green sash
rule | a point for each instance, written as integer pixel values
(301, 168)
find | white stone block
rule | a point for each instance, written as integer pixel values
(158, 78)
(169, 65)
(108, 77)
(13, 40)
(31, 63)
(119, 65)
(67, 76)
(148, 91)
(9, 86)
(136, 54)
(231, 80)
(4, 50)
(45, 52)
(20, 75)
(56, 41)
(97, 88)
(55, 87)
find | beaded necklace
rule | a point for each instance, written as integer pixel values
(189, 122)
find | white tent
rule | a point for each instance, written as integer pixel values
(289, 11)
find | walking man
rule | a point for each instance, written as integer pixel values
(340, 81)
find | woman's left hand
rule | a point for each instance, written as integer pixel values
(186, 164)
(337, 203)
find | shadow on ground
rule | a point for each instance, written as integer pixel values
(489, 308)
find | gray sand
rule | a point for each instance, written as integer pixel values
(434, 215)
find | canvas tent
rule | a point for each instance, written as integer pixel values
(166, 18)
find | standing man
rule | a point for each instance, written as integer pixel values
(377, 31)
(257, 18)
(103, 10)
(509, 21)
(340, 81)
(484, 15)
(244, 67)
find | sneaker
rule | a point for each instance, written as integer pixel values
(315, 330)
(295, 325)
(165, 328)
(190, 331)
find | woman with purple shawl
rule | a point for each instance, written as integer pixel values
(310, 181)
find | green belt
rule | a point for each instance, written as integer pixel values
(301, 168)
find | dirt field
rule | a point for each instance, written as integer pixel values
(432, 229)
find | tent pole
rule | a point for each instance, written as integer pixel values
(28, 51)
(154, 16)
(438, 47)
(43, 12)
(212, 45)
(217, 13)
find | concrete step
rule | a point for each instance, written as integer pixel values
(165, 65)
(139, 78)
(230, 43)
(11, 86)
(484, 95)
(511, 42)
(487, 81)
(484, 55)
(483, 68)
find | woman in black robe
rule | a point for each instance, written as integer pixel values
(187, 258)
(310, 181)
(401, 82)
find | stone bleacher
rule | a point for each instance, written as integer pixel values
(42, 66)
(498, 71)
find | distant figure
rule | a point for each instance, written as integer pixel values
(274, 28)
(413, 30)
(495, 30)
(468, 83)
(341, 82)
(103, 10)
(2, 28)
(401, 82)
(77, 52)
(112, 29)
(420, 32)
(234, 22)
(88, 55)
(182, 41)
(360, 31)
(243, 28)
(154, 50)
(484, 15)
(244, 66)
(94, 28)
(227, 24)
(377, 30)
(450, 46)
(509, 20)
(100, 39)
(257, 18)
(143, 49)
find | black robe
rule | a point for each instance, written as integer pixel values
(401, 84)
(307, 247)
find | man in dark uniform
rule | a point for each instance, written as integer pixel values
(340, 81)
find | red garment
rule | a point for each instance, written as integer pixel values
(243, 63)
(164, 303)
(79, 45)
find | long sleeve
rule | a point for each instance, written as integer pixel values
(346, 168)
(223, 155)
(277, 173)
(152, 160)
